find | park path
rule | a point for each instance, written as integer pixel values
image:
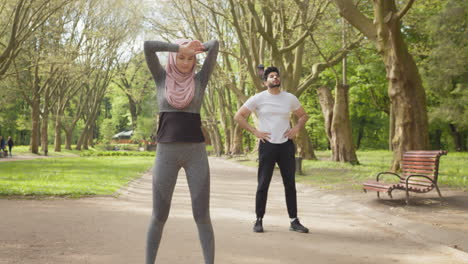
(28, 156)
(112, 230)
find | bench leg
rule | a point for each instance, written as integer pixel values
(390, 194)
(438, 191)
(378, 195)
(407, 196)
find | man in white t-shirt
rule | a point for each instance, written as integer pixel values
(273, 108)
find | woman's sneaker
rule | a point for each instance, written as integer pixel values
(297, 227)
(258, 227)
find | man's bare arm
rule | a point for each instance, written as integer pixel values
(302, 119)
(241, 118)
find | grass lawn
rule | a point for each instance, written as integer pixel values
(24, 150)
(70, 176)
(325, 174)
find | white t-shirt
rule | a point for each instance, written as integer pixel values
(273, 112)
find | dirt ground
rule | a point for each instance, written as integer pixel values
(345, 228)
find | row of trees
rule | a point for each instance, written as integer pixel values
(60, 59)
(306, 40)
(367, 72)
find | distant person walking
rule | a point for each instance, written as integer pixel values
(10, 144)
(2, 146)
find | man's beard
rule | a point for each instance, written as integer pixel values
(274, 85)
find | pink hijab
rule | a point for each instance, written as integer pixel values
(180, 87)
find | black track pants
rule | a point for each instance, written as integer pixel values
(283, 155)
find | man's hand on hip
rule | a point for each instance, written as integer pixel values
(291, 133)
(262, 135)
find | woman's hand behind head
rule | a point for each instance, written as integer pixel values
(191, 48)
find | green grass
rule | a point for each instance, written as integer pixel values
(99, 174)
(453, 170)
(70, 176)
(326, 174)
(97, 150)
(24, 150)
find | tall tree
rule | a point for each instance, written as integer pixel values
(281, 30)
(134, 81)
(445, 72)
(23, 18)
(336, 111)
(408, 114)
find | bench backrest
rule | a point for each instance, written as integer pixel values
(422, 162)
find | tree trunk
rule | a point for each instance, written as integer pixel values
(211, 138)
(92, 135)
(133, 111)
(81, 139)
(326, 103)
(44, 131)
(237, 145)
(342, 140)
(215, 139)
(68, 138)
(360, 134)
(305, 149)
(218, 141)
(58, 132)
(405, 90)
(227, 139)
(435, 139)
(408, 103)
(85, 138)
(391, 133)
(408, 114)
(459, 138)
(35, 126)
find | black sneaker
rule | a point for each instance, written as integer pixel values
(258, 227)
(296, 226)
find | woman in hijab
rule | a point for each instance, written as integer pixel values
(180, 140)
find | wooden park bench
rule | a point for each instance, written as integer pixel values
(420, 169)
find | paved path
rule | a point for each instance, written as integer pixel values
(112, 230)
(29, 156)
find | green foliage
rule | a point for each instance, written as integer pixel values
(146, 123)
(368, 101)
(145, 128)
(315, 125)
(122, 147)
(446, 69)
(107, 130)
(119, 111)
(445, 76)
(435, 31)
(14, 115)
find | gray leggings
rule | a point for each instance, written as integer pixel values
(170, 157)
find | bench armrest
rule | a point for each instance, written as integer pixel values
(387, 172)
(418, 175)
